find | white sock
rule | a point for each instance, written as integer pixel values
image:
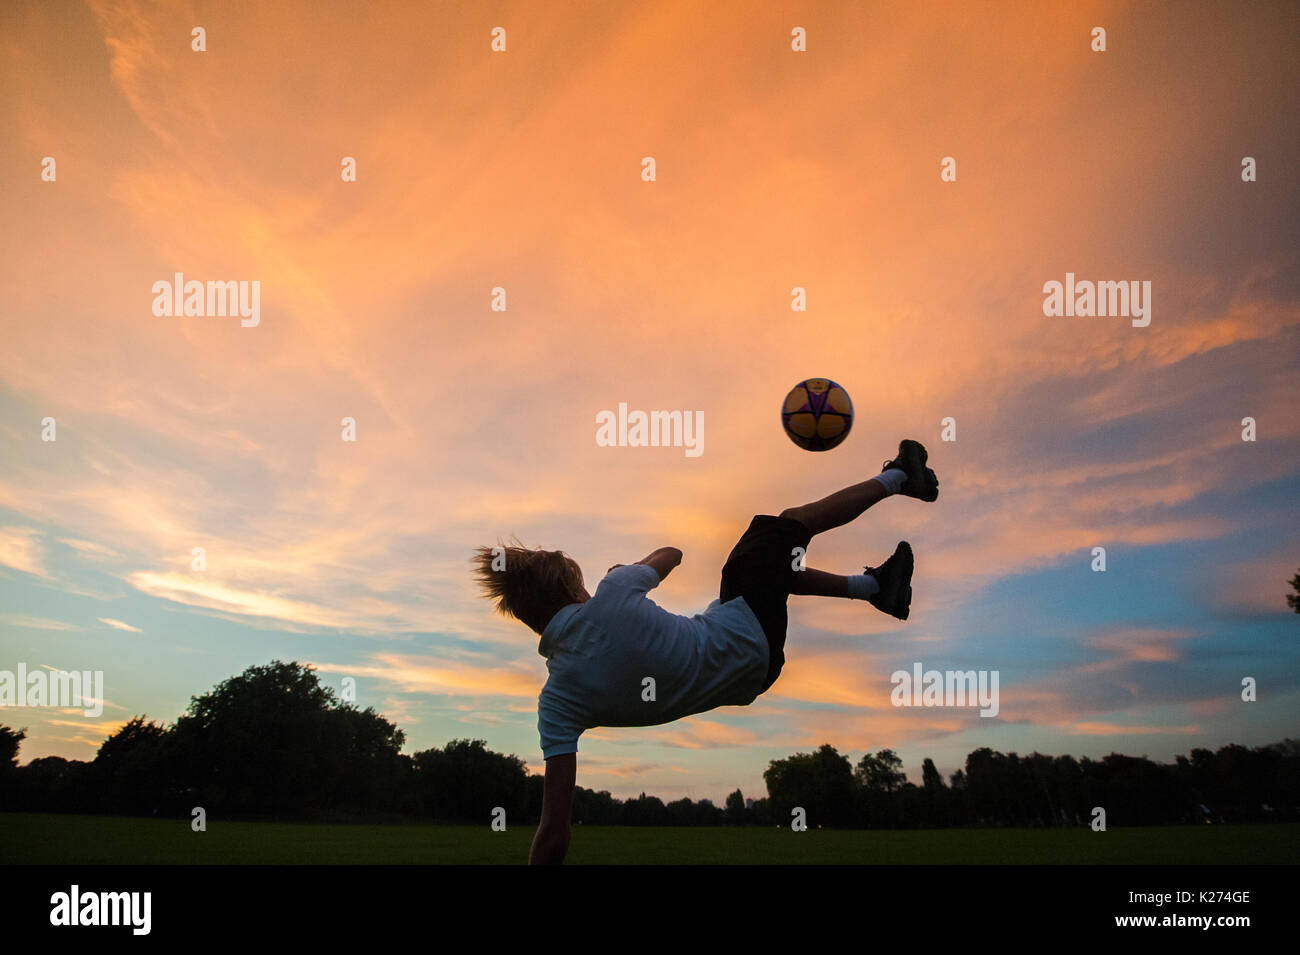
(892, 480)
(862, 586)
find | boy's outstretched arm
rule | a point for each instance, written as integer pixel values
(663, 560)
(552, 839)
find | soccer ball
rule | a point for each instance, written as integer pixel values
(817, 414)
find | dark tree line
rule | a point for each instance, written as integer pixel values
(1234, 784)
(274, 743)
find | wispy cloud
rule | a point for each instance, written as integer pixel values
(20, 549)
(433, 675)
(35, 623)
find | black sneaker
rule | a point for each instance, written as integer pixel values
(895, 579)
(921, 481)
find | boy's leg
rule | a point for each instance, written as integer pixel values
(818, 583)
(906, 474)
(888, 587)
(842, 507)
(761, 568)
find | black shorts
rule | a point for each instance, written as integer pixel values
(760, 568)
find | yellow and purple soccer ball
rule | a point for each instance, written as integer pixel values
(817, 414)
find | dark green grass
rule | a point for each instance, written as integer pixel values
(29, 838)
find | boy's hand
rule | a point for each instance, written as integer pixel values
(616, 567)
(663, 560)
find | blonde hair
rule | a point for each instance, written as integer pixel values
(533, 583)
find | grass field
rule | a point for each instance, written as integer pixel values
(29, 838)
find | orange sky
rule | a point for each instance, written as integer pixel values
(521, 170)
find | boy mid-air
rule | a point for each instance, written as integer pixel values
(600, 649)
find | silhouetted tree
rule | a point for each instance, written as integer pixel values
(274, 741)
(10, 742)
(820, 782)
(644, 811)
(878, 779)
(466, 781)
(934, 801)
(882, 772)
(735, 808)
(596, 808)
(131, 769)
(707, 814)
(54, 784)
(681, 812)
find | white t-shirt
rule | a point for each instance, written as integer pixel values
(599, 653)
